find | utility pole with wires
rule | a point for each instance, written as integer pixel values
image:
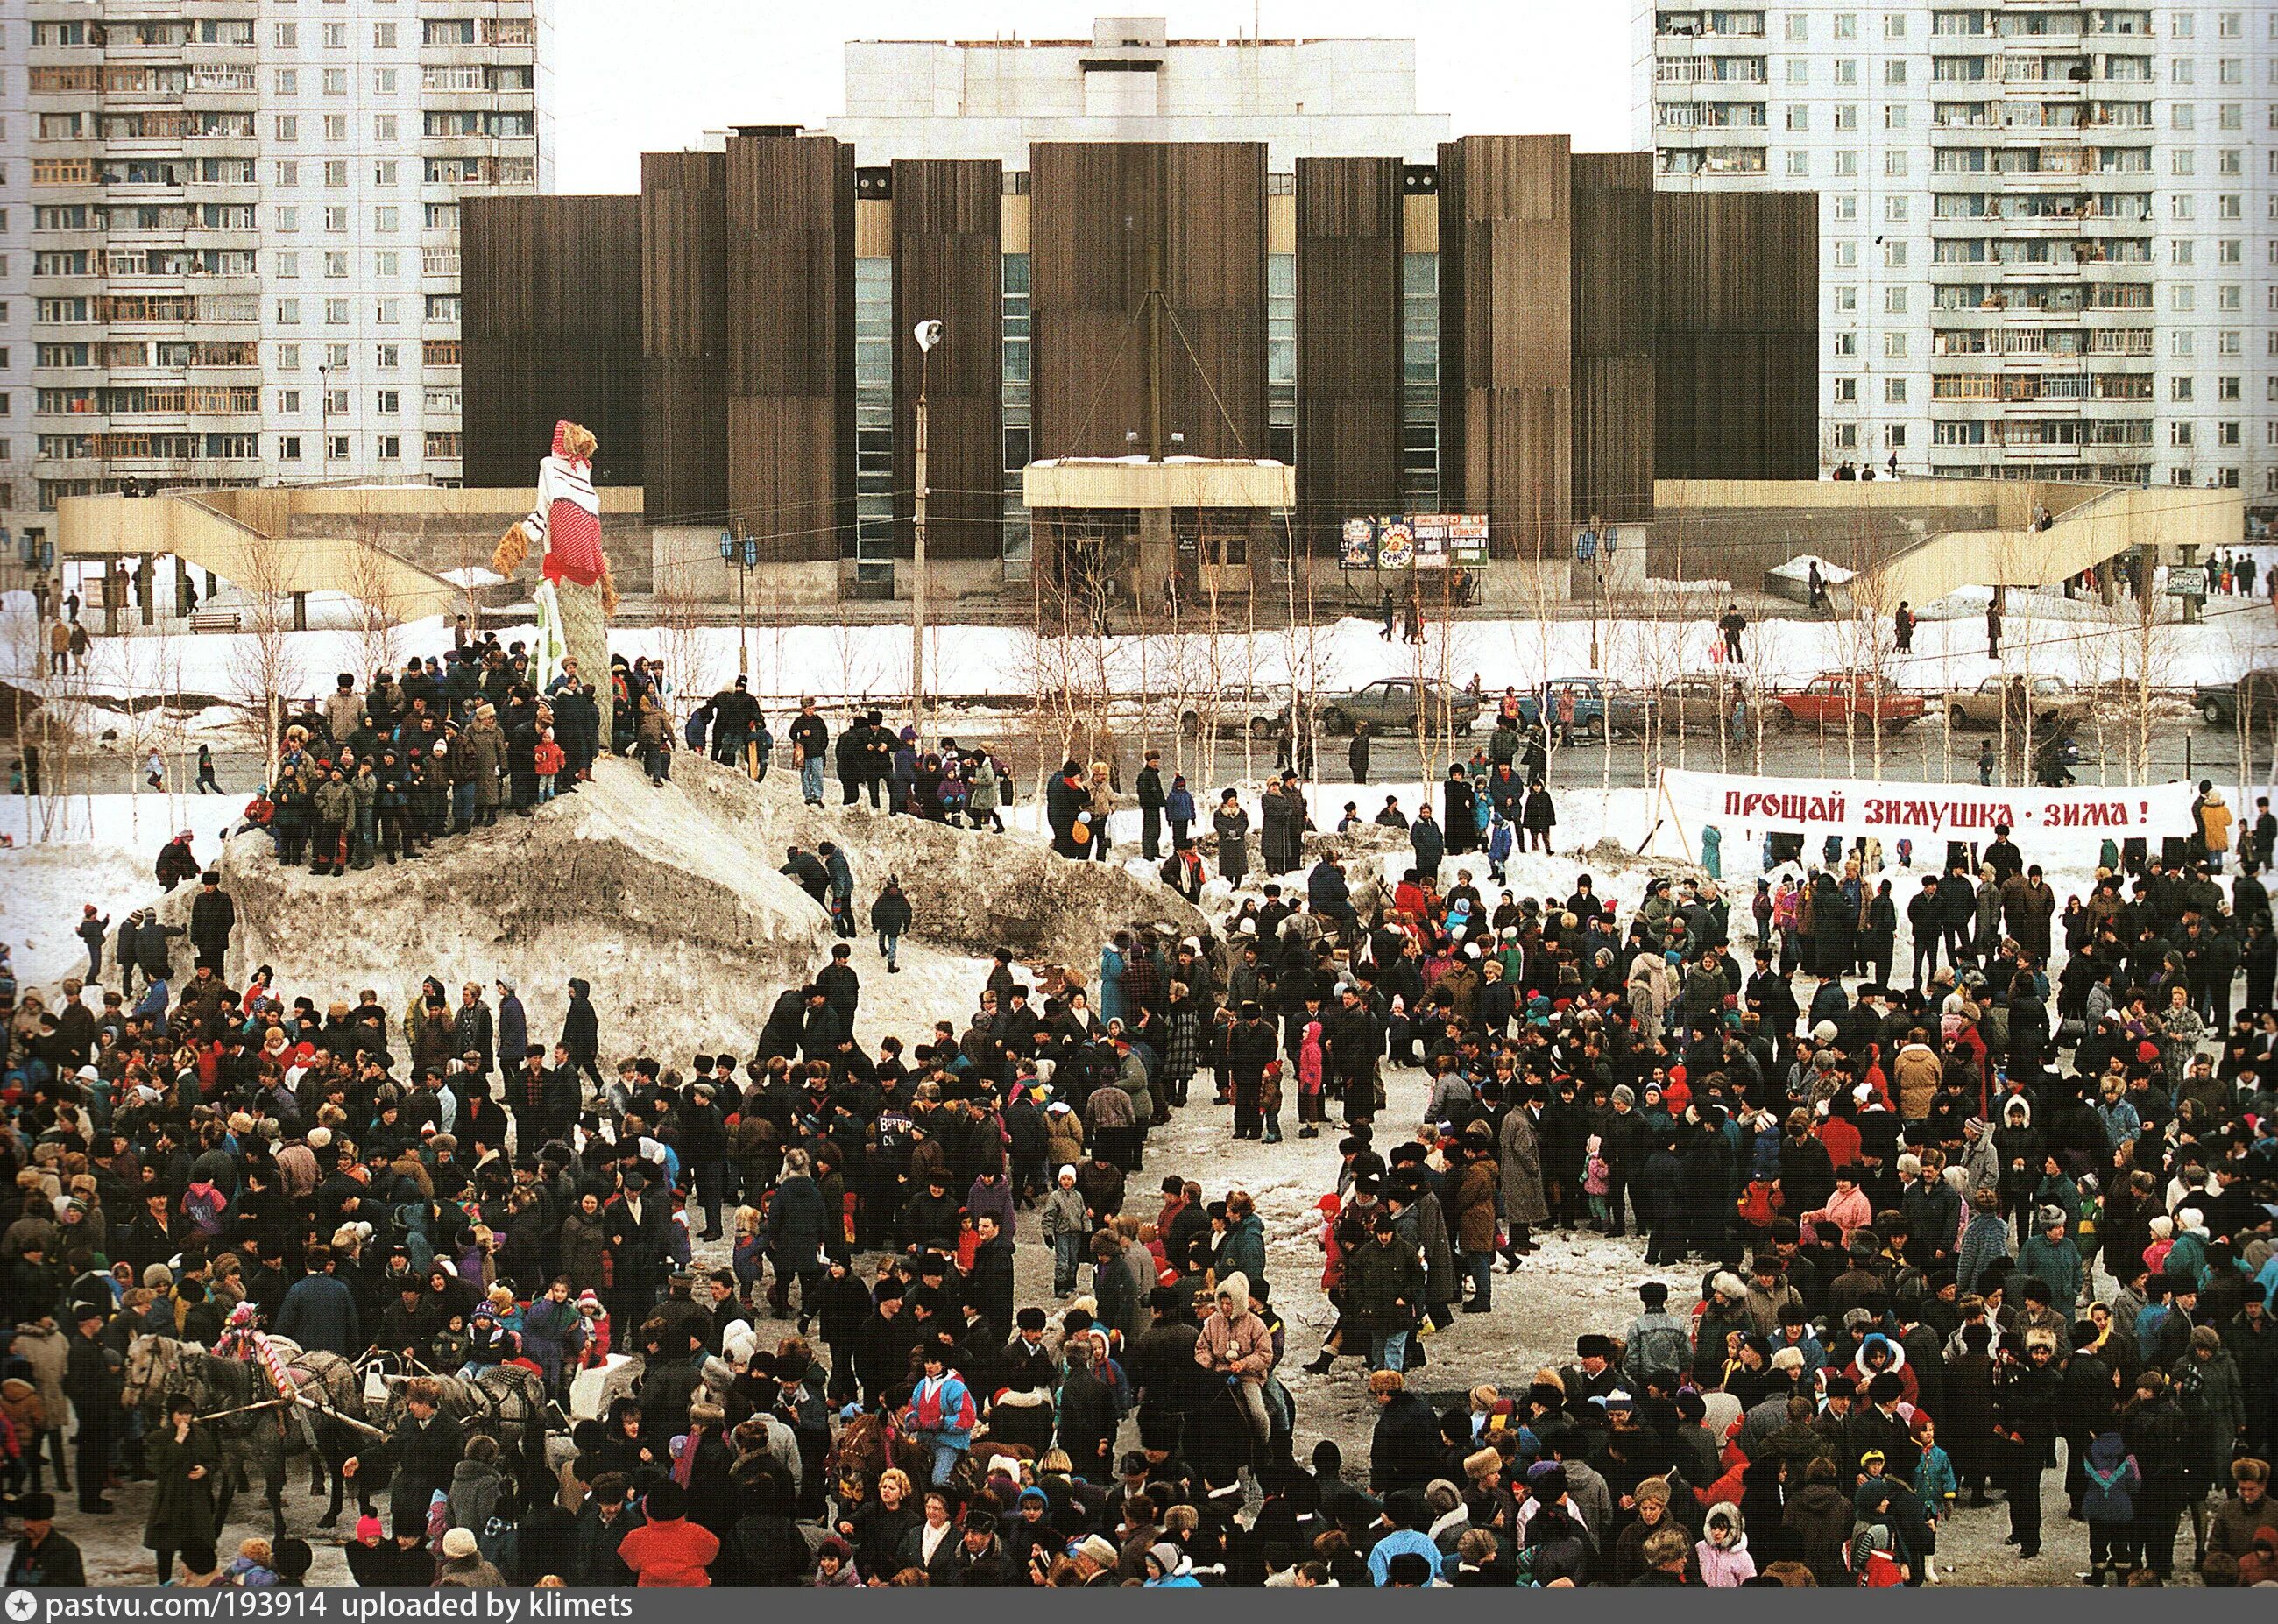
(928, 334)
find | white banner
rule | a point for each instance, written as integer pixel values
(2048, 824)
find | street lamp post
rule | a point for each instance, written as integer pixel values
(742, 554)
(323, 419)
(928, 334)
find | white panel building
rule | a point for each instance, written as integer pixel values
(1132, 81)
(243, 231)
(16, 489)
(2051, 228)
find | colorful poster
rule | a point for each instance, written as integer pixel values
(1357, 546)
(1395, 545)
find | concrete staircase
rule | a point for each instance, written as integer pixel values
(2163, 519)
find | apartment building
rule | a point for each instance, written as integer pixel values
(243, 234)
(2050, 229)
(18, 519)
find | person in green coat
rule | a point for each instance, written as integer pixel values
(187, 1463)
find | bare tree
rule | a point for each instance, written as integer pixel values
(265, 659)
(379, 609)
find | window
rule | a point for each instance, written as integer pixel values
(2179, 389)
(2229, 297)
(1847, 208)
(2226, 434)
(1894, 256)
(336, 265)
(336, 81)
(1847, 24)
(288, 447)
(1895, 209)
(385, 218)
(1847, 437)
(289, 312)
(1846, 391)
(336, 126)
(336, 402)
(1846, 116)
(383, 128)
(1798, 26)
(1847, 71)
(390, 402)
(1847, 345)
(384, 81)
(1846, 163)
(1798, 163)
(383, 36)
(2183, 71)
(1894, 26)
(288, 36)
(391, 447)
(336, 312)
(1894, 346)
(2231, 71)
(336, 172)
(2185, 160)
(2185, 25)
(336, 448)
(288, 400)
(287, 82)
(1799, 115)
(289, 357)
(336, 218)
(383, 172)
(2226, 162)
(1894, 301)
(1894, 163)
(1894, 436)
(2180, 206)
(288, 127)
(2227, 388)
(385, 312)
(336, 36)
(1799, 70)
(2183, 116)
(1847, 254)
(2182, 251)
(2179, 346)
(336, 356)
(1847, 299)
(1894, 118)
(2180, 434)
(1894, 392)
(285, 263)
(1894, 72)
(2227, 343)
(386, 265)
(384, 357)
(288, 172)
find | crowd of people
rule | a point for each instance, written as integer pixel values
(1930, 1240)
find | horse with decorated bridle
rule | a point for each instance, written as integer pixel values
(315, 1409)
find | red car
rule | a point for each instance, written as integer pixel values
(1845, 698)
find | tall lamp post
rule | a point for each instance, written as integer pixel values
(928, 334)
(742, 554)
(323, 420)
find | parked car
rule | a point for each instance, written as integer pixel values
(1590, 694)
(1698, 705)
(1400, 703)
(1234, 710)
(2218, 704)
(1847, 699)
(2052, 698)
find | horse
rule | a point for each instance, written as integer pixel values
(256, 1432)
(506, 1403)
(865, 1448)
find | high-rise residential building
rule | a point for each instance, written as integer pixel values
(243, 241)
(16, 490)
(2049, 228)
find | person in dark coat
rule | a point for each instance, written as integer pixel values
(186, 1463)
(581, 1031)
(320, 1310)
(1403, 1451)
(422, 1453)
(43, 1558)
(1458, 828)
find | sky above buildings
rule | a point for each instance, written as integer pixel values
(651, 78)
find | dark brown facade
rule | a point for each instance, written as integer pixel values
(1348, 307)
(1737, 275)
(948, 266)
(684, 246)
(555, 332)
(790, 341)
(1506, 338)
(1615, 334)
(1111, 220)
